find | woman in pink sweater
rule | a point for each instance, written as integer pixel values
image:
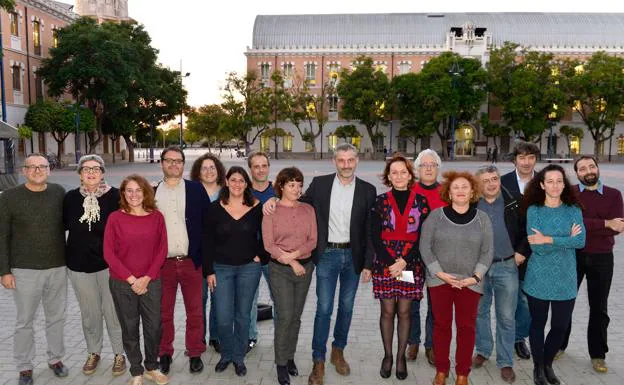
(289, 236)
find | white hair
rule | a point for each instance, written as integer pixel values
(427, 152)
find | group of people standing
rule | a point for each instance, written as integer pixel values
(525, 240)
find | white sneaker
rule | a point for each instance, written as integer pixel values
(157, 376)
(136, 380)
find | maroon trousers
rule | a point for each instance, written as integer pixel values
(185, 274)
(466, 303)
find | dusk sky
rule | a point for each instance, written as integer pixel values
(210, 37)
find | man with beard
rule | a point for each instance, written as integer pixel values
(603, 216)
(182, 203)
(524, 157)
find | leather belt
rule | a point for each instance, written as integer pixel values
(179, 257)
(502, 259)
(333, 245)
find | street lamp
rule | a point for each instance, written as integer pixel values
(552, 122)
(182, 109)
(455, 72)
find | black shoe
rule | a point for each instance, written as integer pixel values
(59, 369)
(283, 377)
(195, 364)
(215, 345)
(25, 377)
(292, 368)
(222, 365)
(240, 369)
(522, 350)
(386, 367)
(539, 378)
(165, 363)
(251, 344)
(550, 375)
(401, 374)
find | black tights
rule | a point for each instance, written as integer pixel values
(402, 308)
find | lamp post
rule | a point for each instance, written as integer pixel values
(552, 121)
(182, 107)
(455, 72)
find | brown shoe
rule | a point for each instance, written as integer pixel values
(91, 364)
(412, 352)
(461, 380)
(318, 373)
(440, 378)
(478, 361)
(337, 359)
(119, 365)
(508, 375)
(430, 356)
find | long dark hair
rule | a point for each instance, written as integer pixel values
(534, 194)
(248, 198)
(196, 168)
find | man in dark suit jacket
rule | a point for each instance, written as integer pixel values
(524, 157)
(182, 203)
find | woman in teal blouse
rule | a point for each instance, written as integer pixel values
(555, 228)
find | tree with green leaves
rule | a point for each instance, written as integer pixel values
(595, 89)
(206, 123)
(569, 132)
(365, 93)
(59, 120)
(280, 101)
(7, 5)
(246, 107)
(492, 130)
(526, 85)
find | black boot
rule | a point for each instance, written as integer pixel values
(539, 378)
(283, 378)
(386, 367)
(292, 368)
(550, 375)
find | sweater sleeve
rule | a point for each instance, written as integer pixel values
(260, 250)
(597, 225)
(310, 220)
(161, 248)
(111, 235)
(575, 242)
(5, 236)
(426, 243)
(486, 253)
(268, 236)
(380, 249)
(208, 240)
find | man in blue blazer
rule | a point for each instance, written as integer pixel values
(182, 203)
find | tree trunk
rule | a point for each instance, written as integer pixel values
(114, 139)
(59, 151)
(275, 142)
(130, 146)
(597, 143)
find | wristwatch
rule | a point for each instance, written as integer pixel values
(476, 277)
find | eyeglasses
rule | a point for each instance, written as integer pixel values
(40, 167)
(171, 161)
(209, 168)
(428, 165)
(91, 170)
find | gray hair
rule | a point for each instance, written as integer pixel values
(487, 169)
(345, 147)
(86, 158)
(427, 152)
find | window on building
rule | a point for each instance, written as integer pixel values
(14, 17)
(265, 71)
(55, 38)
(620, 145)
(333, 103)
(37, 37)
(17, 78)
(575, 145)
(381, 67)
(288, 71)
(38, 88)
(402, 144)
(334, 73)
(310, 73)
(404, 68)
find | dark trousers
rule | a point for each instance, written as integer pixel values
(289, 296)
(189, 278)
(544, 351)
(598, 269)
(131, 310)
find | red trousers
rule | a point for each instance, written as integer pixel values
(182, 272)
(466, 303)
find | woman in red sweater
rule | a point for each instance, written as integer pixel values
(135, 247)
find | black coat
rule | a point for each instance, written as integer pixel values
(318, 195)
(515, 220)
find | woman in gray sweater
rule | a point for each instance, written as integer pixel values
(456, 245)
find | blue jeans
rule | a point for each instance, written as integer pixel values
(211, 321)
(523, 316)
(235, 288)
(253, 316)
(333, 265)
(414, 338)
(500, 282)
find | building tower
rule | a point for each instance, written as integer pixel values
(104, 10)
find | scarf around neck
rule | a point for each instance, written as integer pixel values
(90, 205)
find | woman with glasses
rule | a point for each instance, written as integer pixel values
(135, 247)
(85, 212)
(209, 171)
(556, 230)
(233, 253)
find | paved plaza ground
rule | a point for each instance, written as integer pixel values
(364, 351)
